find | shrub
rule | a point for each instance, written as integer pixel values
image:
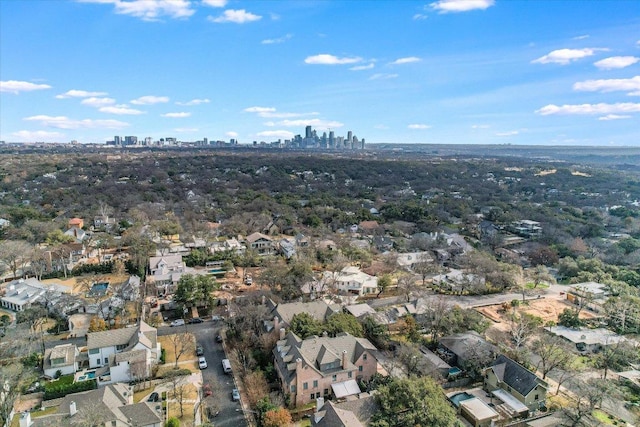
(163, 355)
(173, 422)
(65, 385)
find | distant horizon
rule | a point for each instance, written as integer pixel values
(486, 72)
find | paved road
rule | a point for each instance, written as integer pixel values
(221, 383)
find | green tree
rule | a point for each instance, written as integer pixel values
(375, 332)
(384, 282)
(343, 322)
(195, 290)
(569, 318)
(417, 402)
(57, 237)
(172, 422)
(304, 325)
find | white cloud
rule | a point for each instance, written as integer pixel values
(407, 60)
(187, 129)
(284, 134)
(150, 99)
(194, 102)
(150, 10)
(383, 76)
(326, 59)
(121, 109)
(632, 85)
(278, 40)
(565, 56)
(480, 126)
(616, 62)
(275, 115)
(316, 123)
(176, 115)
(508, 133)
(74, 93)
(613, 117)
(381, 127)
(601, 108)
(62, 122)
(37, 136)
(418, 126)
(419, 16)
(240, 16)
(454, 6)
(97, 102)
(362, 67)
(582, 37)
(214, 3)
(258, 109)
(15, 86)
(232, 134)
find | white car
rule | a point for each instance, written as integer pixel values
(202, 362)
(177, 322)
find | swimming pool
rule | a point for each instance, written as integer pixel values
(460, 397)
(90, 375)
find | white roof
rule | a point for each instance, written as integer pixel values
(345, 388)
(480, 410)
(510, 401)
(588, 336)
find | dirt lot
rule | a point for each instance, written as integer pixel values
(547, 309)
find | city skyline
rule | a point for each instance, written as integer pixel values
(440, 72)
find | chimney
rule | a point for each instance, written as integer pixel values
(282, 333)
(319, 403)
(298, 364)
(344, 359)
(72, 408)
(25, 419)
(325, 334)
(276, 323)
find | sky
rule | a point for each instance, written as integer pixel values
(441, 72)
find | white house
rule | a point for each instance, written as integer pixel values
(60, 358)
(22, 293)
(118, 351)
(351, 280)
(166, 272)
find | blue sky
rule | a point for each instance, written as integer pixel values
(449, 71)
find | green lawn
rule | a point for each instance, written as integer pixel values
(602, 417)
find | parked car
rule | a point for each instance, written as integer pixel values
(216, 318)
(235, 395)
(202, 362)
(206, 390)
(177, 322)
(194, 320)
(218, 338)
(153, 397)
(199, 351)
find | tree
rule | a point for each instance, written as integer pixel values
(279, 417)
(195, 291)
(406, 285)
(97, 324)
(588, 396)
(15, 254)
(384, 282)
(425, 267)
(304, 325)
(33, 316)
(521, 326)
(615, 357)
(410, 328)
(540, 274)
(554, 354)
(182, 343)
(569, 318)
(256, 387)
(173, 422)
(412, 402)
(343, 322)
(375, 332)
(11, 374)
(57, 237)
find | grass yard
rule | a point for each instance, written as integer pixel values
(188, 360)
(190, 397)
(138, 395)
(602, 417)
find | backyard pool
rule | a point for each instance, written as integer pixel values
(99, 289)
(459, 397)
(89, 375)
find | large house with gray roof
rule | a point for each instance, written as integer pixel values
(165, 272)
(21, 294)
(506, 379)
(62, 359)
(110, 406)
(323, 366)
(123, 354)
(283, 313)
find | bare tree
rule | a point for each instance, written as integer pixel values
(182, 343)
(15, 254)
(522, 326)
(406, 285)
(589, 396)
(554, 354)
(10, 377)
(425, 267)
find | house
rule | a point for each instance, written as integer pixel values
(75, 222)
(383, 243)
(21, 294)
(123, 354)
(77, 233)
(261, 243)
(369, 227)
(287, 247)
(359, 310)
(588, 340)
(322, 366)
(283, 313)
(458, 281)
(110, 406)
(351, 280)
(526, 228)
(475, 410)
(466, 350)
(62, 359)
(165, 272)
(507, 379)
(591, 294)
(130, 290)
(103, 222)
(487, 230)
(350, 413)
(410, 259)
